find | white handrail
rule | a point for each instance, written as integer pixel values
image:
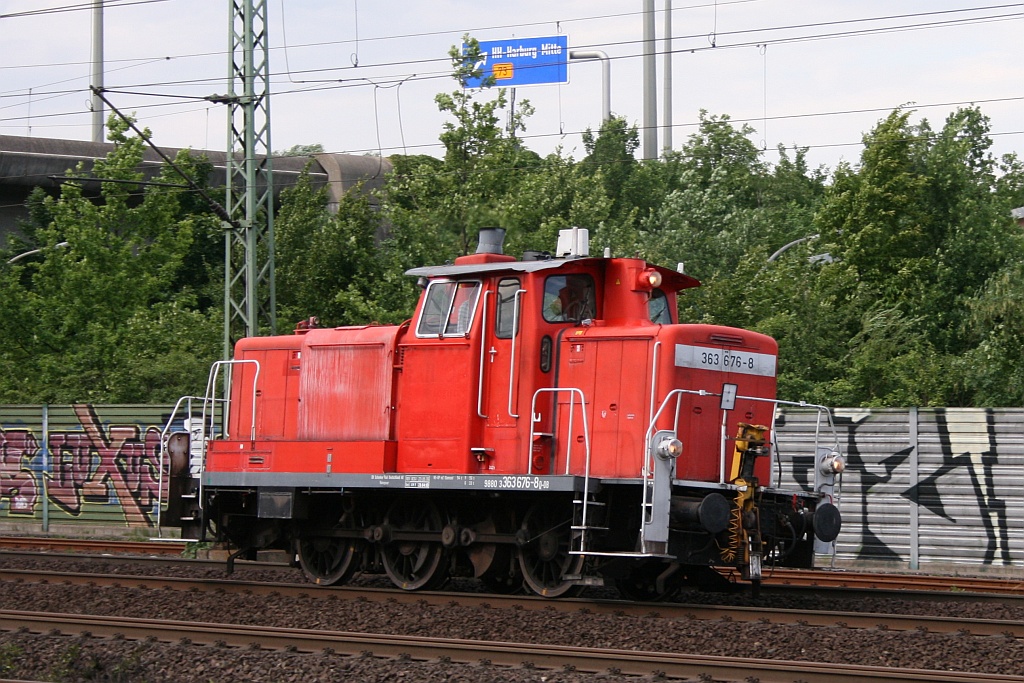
(164, 433)
(534, 418)
(483, 348)
(572, 391)
(677, 393)
(210, 400)
(210, 397)
(512, 362)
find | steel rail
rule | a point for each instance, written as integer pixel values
(737, 614)
(94, 545)
(817, 578)
(893, 581)
(622, 662)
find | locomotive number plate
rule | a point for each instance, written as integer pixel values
(725, 360)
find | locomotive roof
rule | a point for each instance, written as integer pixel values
(451, 270)
(673, 280)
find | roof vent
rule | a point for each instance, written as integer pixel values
(491, 241)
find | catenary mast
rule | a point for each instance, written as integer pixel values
(249, 298)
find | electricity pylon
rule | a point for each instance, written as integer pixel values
(249, 298)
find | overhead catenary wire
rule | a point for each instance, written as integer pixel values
(363, 82)
(625, 43)
(386, 81)
(447, 74)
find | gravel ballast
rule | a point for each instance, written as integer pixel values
(67, 658)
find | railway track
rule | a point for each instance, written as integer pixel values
(92, 545)
(800, 578)
(624, 662)
(827, 578)
(737, 614)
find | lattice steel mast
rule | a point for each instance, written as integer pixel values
(249, 298)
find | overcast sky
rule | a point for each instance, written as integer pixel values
(360, 76)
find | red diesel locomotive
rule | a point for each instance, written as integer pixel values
(544, 422)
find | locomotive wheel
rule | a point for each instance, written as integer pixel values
(642, 583)
(544, 556)
(414, 565)
(327, 561)
(495, 564)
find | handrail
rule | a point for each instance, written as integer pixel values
(164, 434)
(512, 363)
(677, 393)
(210, 399)
(534, 418)
(483, 348)
(572, 391)
(211, 390)
(654, 377)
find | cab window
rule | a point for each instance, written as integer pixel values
(657, 308)
(569, 298)
(448, 308)
(505, 319)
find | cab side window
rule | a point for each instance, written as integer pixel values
(505, 319)
(657, 308)
(569, 298)
(448, 308)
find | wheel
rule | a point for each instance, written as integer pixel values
(544, 553)
(327, 561)
(493, 563)
(651, 581)
(414, 564)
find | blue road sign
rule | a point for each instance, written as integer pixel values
(523, 61)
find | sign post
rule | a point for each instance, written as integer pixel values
(523, 61)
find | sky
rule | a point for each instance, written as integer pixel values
(360, 76)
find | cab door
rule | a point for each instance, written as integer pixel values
(436, 427)
(503, 311)
(501, 358)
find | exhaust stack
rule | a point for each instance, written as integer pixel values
(491, 241)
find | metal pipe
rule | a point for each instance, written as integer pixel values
(606, 76)
(666, 104)
(650, 141)
(97, 70)
(483, 348)
(46, 466)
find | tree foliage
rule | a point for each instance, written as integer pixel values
(102, 311)
(896, 280)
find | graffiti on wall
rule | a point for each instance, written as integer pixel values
(108, 470)
(968, 451)
(91, 463)
(17, 479)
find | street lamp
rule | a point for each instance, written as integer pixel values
(22, 255)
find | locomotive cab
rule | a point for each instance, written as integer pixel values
(544, 422)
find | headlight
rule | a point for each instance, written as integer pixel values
(833, 463)
(670, 448)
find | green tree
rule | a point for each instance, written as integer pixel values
(917, 230)
(337, 267)
(610, 156)
(105, 272)
(437, 209)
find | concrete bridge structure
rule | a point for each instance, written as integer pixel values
(28, 162)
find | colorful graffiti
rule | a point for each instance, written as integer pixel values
(17, 479)
(112, 465)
